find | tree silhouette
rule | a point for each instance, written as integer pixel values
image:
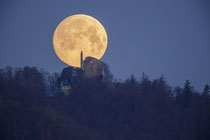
(32, 107)
(206, 89)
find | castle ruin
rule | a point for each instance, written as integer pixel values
(92, 67)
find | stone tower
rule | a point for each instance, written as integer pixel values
(81, 60)
(91, 66)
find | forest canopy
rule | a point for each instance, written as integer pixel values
(33, 106)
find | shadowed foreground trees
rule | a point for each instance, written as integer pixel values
(32, 107)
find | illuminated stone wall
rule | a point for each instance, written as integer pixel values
(93, 67)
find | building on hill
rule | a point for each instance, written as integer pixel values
(92, 67)
(65, 89)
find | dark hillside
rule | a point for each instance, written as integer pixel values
(33, 107)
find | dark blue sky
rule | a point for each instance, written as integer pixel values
(169, 37)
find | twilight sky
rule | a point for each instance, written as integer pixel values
(169, 37)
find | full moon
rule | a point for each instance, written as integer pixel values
(78, 33)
